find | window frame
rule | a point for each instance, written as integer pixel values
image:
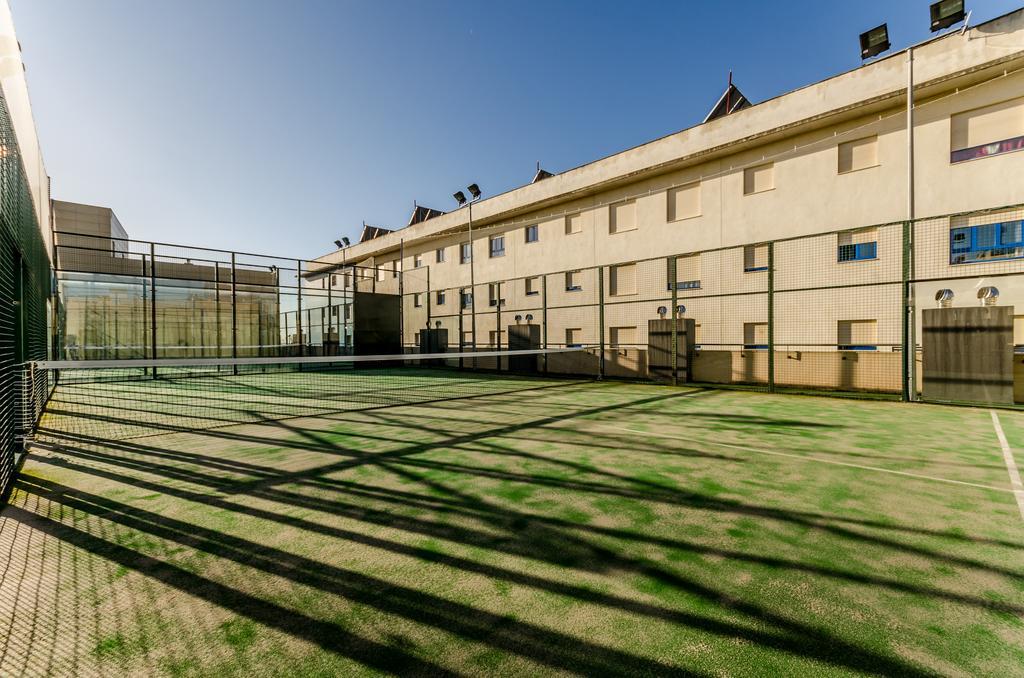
(532, 229)
(858, 255)
(753, 269)
(496, 253)
(439, 298)
(568, 280)
(440, 255)
(417, 261)
(998, 244)
(465, 258)
(527, 287)
(568, 223)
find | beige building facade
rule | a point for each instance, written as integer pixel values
(821, 173)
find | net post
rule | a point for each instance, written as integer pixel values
(544, 319)
(771, 317)
(600, 321)
(909, 366)
(152, 301)
(234, 311)
(675, 320)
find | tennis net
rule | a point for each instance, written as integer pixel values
(120, 399)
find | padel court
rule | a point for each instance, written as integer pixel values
(439, 522)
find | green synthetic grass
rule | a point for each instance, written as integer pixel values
(562, 527)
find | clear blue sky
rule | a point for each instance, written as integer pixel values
(277, 127)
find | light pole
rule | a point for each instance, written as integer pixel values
(460, 197)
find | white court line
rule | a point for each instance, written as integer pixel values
(804, 457)
(1011, 465)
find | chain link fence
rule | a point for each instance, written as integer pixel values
(25, 279)
(842, 312)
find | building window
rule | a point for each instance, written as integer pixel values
(465, 299)
(759, 179)
(573, 337)
(622, 337)
(859, 154)
(857, 335)
(687, 272)
(572, 281)
(439, 255)
(494, 294)
(858, 245)
(495, 337)
(417, 300)
(983, 132)
(532, 233)
(467, 338)
(532, 286)
(755, 336)
(755, 258)
(439, 297)
(622, 217)
(417, 260)
(622, 280)
(379, 272)
(497, 246)
(394, 268)
(465, 252)
(986, 242)
(684, 202)
(573, 224)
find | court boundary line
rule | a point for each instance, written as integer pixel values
(1011, 465)
(834, 462)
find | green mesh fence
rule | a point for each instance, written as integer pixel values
(25, 277)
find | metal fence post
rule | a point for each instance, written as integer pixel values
(298, 307)
(909, 363)
(428, 299)
(672, 263)
(544, 319)
(462, 346)
(400, 269)
(152, 301)
(497, 323)
(771, 317)
(234, 311)
(600, 321)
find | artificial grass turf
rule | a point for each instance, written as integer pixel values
(582, 528)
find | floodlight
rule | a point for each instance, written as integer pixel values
(338, 244)
(474, 190)
(346, 241)
(874, 41)
(946, 13)
(460, 197)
